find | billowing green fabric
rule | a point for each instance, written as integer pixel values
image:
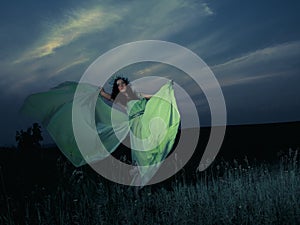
(54, 110)
(153, 124)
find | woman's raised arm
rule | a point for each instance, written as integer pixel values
(105, 95)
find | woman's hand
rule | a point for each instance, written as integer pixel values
(101, 90)
(146, 96)
(104, 94)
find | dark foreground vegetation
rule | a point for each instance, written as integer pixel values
(42, 187)
(244, 193)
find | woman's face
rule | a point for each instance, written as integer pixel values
(121, 85)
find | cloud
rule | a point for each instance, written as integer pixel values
(142, 20)
(72, 26)
(212, 44)
(71, 64)
(78, 36)
(278, 60)
(165, 18)
(206, 9)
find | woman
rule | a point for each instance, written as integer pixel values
(153, 121)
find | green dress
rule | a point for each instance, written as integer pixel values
(153, 125)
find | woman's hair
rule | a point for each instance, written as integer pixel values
(121, 98)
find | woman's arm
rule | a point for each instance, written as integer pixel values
(146, 96)
(105, 95)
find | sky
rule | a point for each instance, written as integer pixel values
(252, 47)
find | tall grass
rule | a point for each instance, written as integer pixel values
(238, 193)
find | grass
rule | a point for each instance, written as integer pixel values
(237, 193)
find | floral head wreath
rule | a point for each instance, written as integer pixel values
(117, 77)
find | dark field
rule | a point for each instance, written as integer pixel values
(254, 180)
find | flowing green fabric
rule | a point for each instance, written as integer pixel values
(153, 125)
(54, 110)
